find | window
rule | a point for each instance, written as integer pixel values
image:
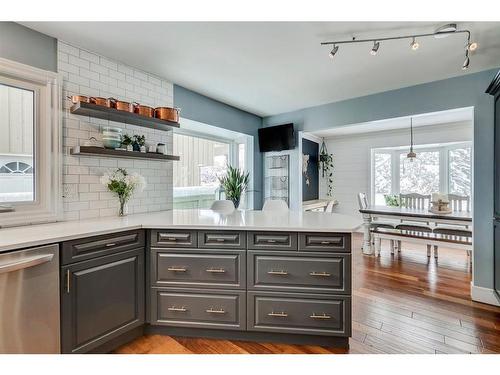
(29, 145)
(443, 168)
(203, 159)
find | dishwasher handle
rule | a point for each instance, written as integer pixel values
(25, 263)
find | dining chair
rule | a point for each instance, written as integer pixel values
(419, 202)
(458, 203)
(276, 205)
(223, 206)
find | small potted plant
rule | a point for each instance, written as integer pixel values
(235, 183)
(326, 166)
(127, 141)
(123, 185)
(139, 143)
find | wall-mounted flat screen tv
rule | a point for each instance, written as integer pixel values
(277, 138)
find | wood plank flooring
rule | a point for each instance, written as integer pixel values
(405, 303)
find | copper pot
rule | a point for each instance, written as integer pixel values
(121, 105)
(144, 110)
(167, 113)
(105, 102)
(78, 98)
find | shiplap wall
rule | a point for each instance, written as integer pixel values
(352, 157)
(87, 73)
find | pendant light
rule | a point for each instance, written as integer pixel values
(411, 163)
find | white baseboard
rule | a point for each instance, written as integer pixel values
(484, 295)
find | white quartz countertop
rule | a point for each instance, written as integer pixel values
(35, 235)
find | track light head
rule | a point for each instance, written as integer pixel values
(333, 51)
(374, 50)
(472, 46)
(414, 44)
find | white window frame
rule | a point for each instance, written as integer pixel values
(47, 153)
(396, 152)
(233, 139)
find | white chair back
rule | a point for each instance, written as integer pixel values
(459, 202)
(223, 206)
(415, 200)
(276, 205)
(362, 201)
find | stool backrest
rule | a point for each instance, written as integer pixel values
(459, 202)
(362, 201)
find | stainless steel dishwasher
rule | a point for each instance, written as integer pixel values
(29, 301)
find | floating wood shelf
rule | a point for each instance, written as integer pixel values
(112, 114)
(104, 152)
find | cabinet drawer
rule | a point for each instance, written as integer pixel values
(198, 268)
(209, 309)
(272, 240)
(173, 238)
(332, 242)
(299, 273)
(299, 313)
(222, 239)
(93, 247)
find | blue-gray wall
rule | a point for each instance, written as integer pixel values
(200, 108)
(463, 91)
(27, 46)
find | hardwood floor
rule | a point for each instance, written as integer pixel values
(405, 303)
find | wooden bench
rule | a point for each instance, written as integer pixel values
(428, 238)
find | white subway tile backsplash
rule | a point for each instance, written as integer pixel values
(89, 74)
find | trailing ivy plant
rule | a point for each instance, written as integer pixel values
(326, 167)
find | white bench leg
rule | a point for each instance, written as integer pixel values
(392, 246)
(429, 251)
(378, 244)
(399, 246)
(435, 251)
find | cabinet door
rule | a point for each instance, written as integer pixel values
(101, 299)
(497, 156)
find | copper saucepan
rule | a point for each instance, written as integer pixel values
(144, 110)
(78, 98)
(121, 105)
(167, 113)
(105, 102)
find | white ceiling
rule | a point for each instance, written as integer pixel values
(459, 115)
(274, 67)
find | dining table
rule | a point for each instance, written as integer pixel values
(403, 214)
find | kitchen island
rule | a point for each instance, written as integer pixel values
(249, 275)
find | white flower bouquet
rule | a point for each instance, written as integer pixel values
(123, 185)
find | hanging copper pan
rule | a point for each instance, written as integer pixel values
(167, 113)
(78, 98)
(121, 105)
(144, 110)
(105, 102)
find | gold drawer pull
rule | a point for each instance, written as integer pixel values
(325, 242)
(278, 314)
(110, 244)
(172, 239)
(322, 316)
(282, 272)
(271, 241)
(216, 270)
(323, 274)
(213, 311)
(220, 239)
(179, 309)
(177, 269)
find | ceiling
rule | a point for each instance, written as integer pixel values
(459, 115)
(272, 67)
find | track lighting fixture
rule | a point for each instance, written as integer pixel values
(333, 51)
(414, 44)
(442, 32)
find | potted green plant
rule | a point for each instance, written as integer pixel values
(138, 142)
(392, 200)
(127, 141)
(326, 167)
(123, 185)
(235, 183)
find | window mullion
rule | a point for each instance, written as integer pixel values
(395, 172)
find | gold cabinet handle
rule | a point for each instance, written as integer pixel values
(220, 239)
(216, 270)
(180, 309)
(68, 280)
(215, 311)
(172, 239)
(278, 314)
(177, 269)
(282, 272)
(110, 244)
(322, 316)
(271, 241)
(325, 242)
(323, 274)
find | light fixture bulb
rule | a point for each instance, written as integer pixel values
(414, 44)
(472, 46)
(465, 66)
(333, 51)
(374, 50)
